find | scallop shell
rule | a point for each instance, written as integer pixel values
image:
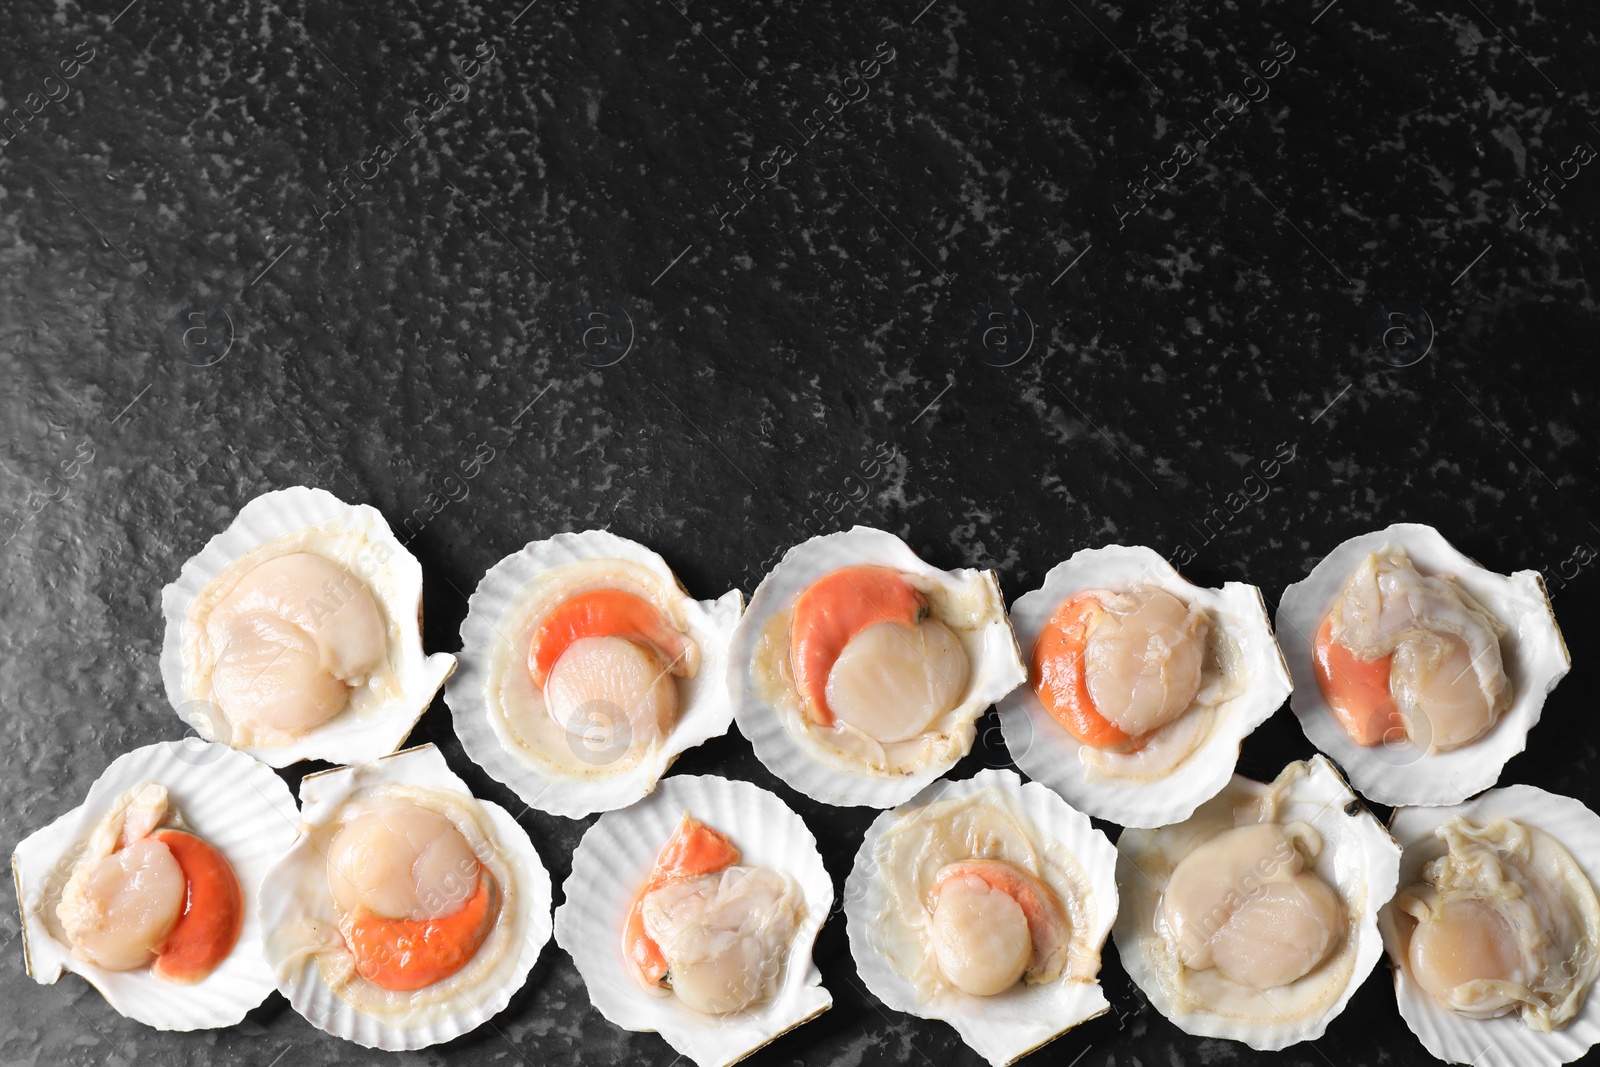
(1506, 1041)
(1358, 858)
(1044, 749)
(996, 671)
(705, 712)
(395, 579)
(1006, 1027)
(617, 854)
(237, 805)
(300, 979)
(1401, 774)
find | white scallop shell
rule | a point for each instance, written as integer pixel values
(240, 807)
(1506, 1041)
(1044, 749)
(300, 978)
(1006, 1027)
(392, 574)
(1535, 655)
(613, 860)
(1359, 859)
(704, 714)
(997, 670)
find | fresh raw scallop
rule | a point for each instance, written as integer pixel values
(605, 613)
(1244, 904)
(707, 930)
(878, 611)
(147, 894)
(604, 681)
(993, 924)
(119, 911)
(414, 901)
(1115, 667)
(1406, 656)
(891, 680)
(291, 640)
(1505, 921)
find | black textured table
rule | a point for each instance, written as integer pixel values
(1008, 280)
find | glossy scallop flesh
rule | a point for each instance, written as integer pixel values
(295, 633)
(291, 640)
(590, 710)
(721, 915)
(161, 921)
(1138, 664)
(1403, 766)
(384, 877)
(1021, 964)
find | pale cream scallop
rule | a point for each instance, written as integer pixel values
(1255, 918)
(102, 891)
(401, 860)
(598, 683)
(984, 903)
(1144, 657)
(1432, 675)
(1280, 934)
(1468, 941)
(1447, 675)
(904, 696)
(980, 937)
(1243, 903)
(291, 639)
(725, 936)
(127, 890)
(891, 680)
(1505, 920)
(123, 905)
(269, 674)
(1196, 897)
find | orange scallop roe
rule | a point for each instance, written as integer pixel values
(409, 954)
(604, 613)
(1059, 677)
(1356, 689)
(213, 911)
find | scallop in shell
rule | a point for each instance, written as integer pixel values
(407, 912)
(701, 854)
(296, 633)
(1189, 671)
(1515, 871)
(1450, 670)
(859, 670)
(586, 670)
(235, 805)
(985, 903)
(1256, 918)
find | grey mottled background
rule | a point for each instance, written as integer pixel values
(941, 315)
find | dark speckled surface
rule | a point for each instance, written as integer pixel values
(256, 243)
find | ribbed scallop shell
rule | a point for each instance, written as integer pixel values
(613, 860)
(527, 904)
(1006, 1027)
(704, 714)
(1044, 749)
(237, 805)
(395, 578)
(1506, 1041)
(1535, 655)
(997, 670)
(1359, 859)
